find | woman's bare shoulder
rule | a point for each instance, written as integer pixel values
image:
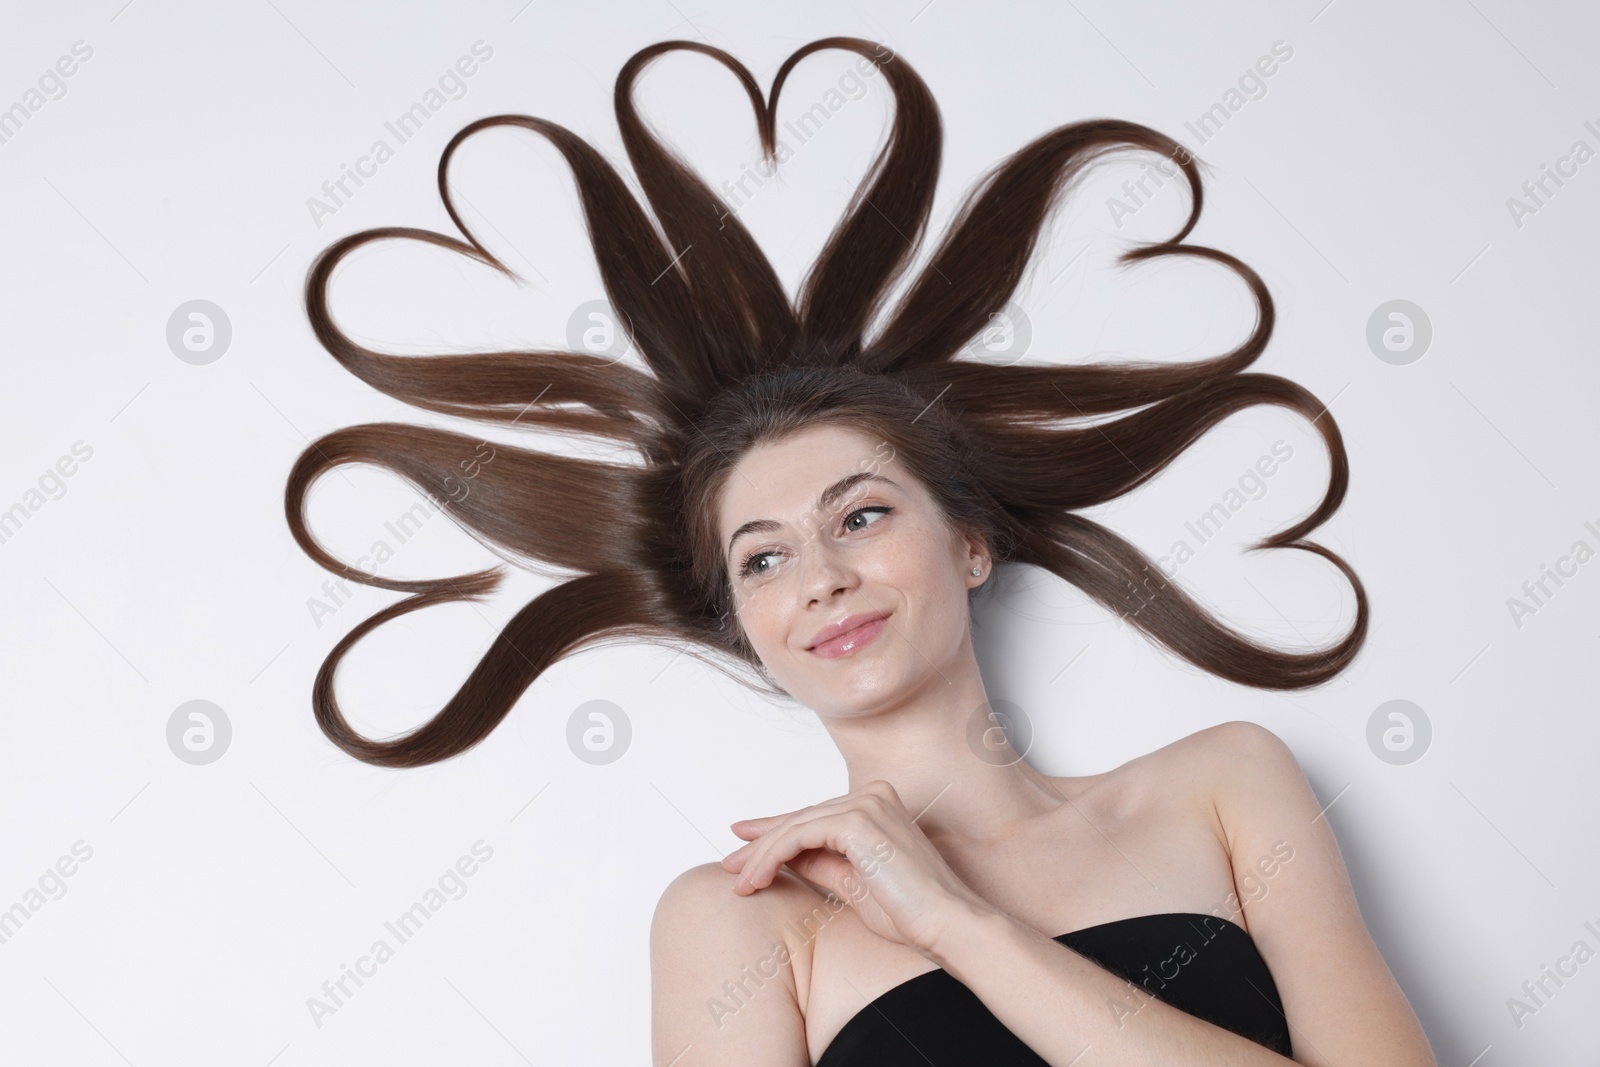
(726, 969)
(704, 895)
(1208, 751)
(707, 888)
(1188, 771)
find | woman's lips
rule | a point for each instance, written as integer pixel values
(850, 640)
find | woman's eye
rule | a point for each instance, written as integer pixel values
(863, 511)
(749, 567)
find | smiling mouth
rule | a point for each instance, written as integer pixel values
(851, 640)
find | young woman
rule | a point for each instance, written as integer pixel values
(818, 507)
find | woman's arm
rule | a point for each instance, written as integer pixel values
(1342, 1004)
(722, 988)
(1071, 1011)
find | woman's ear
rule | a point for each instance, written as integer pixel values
(978, 556)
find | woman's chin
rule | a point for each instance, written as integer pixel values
(854, 697)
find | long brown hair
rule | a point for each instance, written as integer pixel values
(733, 362)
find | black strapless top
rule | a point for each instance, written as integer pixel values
(1202, 964)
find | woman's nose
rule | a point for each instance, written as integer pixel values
(824, 570)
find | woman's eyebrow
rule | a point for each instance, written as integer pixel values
(826, 500)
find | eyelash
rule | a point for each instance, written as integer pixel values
(744, 568)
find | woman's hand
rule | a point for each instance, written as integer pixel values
(864, 848)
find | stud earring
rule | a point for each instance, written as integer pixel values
(977, 571)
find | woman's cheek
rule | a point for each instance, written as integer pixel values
(770, 626)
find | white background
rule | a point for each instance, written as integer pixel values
(1377, 165)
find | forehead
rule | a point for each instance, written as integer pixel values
(781, 479)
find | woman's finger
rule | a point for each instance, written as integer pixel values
(769, 827)
(748, 828)
(825, 870)
(780, 846)
(735, 859)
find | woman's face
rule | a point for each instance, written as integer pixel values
(879, 546)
